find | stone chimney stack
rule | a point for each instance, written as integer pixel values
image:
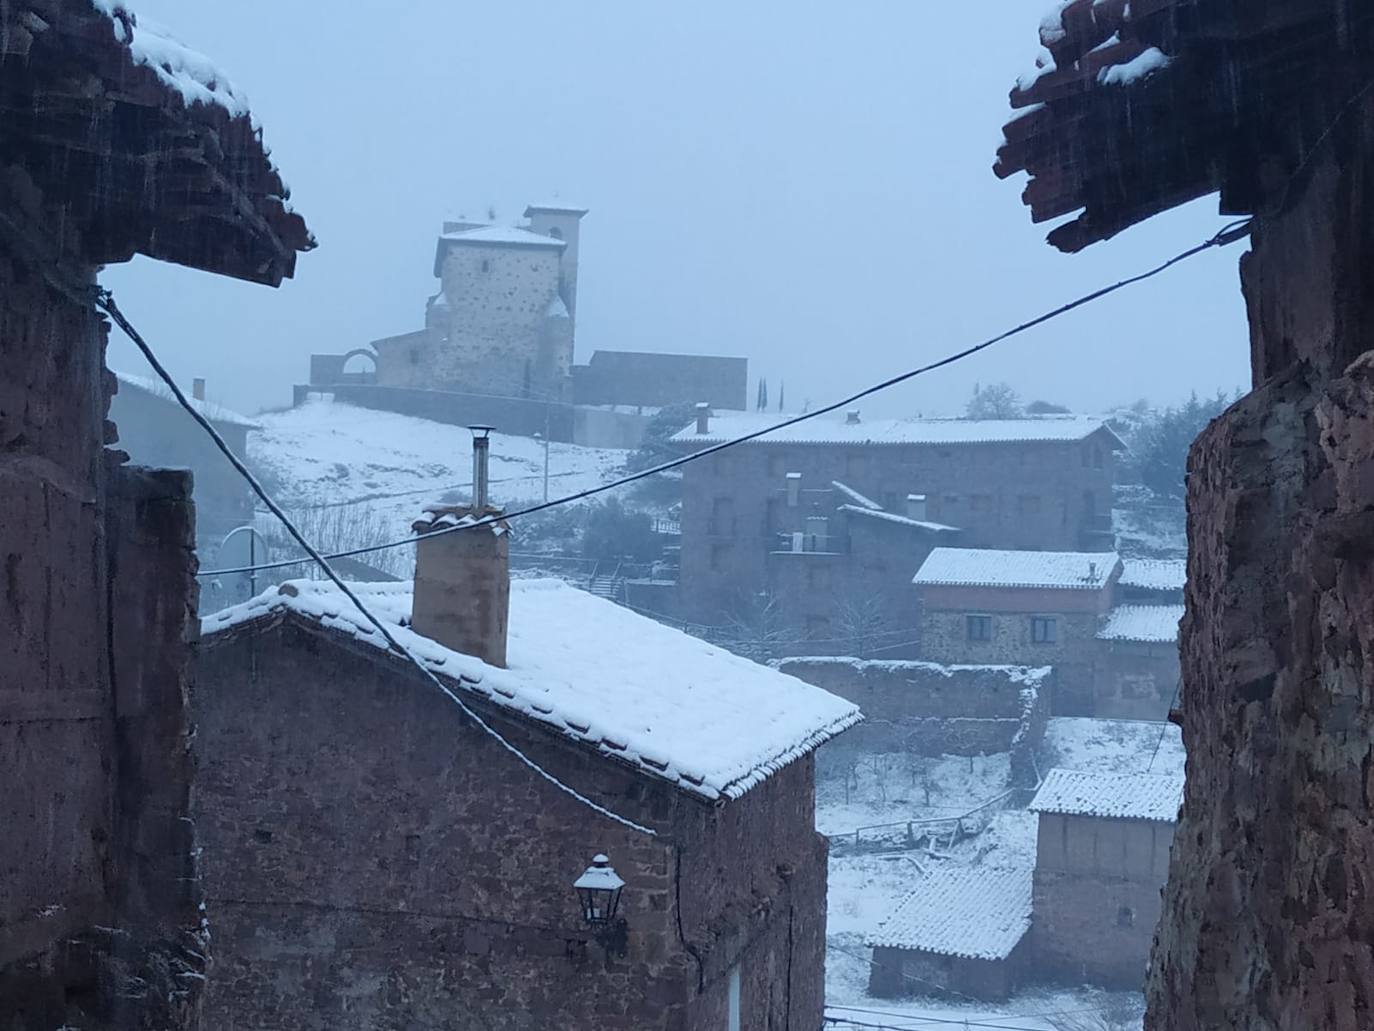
(462, 577)
(198, 388)
(916, 507)
(703, 417)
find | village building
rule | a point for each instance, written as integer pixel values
(1102, 857)
(117, 141)
(155, 430)
(1114, 661)
(498, 342)
(1152, 581)
(831, 517)
(374, 858)
(963, 931)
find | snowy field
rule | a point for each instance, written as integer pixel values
(864, 887)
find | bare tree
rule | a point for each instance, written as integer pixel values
(995, 401)
(864, 624)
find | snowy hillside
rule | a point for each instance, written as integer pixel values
(386, 467)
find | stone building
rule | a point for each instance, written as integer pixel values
(962, 931)
(155, 430)
(117, 141)
(1102, 856)
(1032, 483)
(1140, 108)
(1114, 661)
(374, 859)
(1040, 608)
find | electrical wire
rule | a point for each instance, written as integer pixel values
(104, 300)
(1178, 689)
(1228, 234)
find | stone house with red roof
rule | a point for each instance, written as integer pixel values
(117, 141)
(373, 858)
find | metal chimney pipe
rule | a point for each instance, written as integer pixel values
(703, 417)
(481, 452)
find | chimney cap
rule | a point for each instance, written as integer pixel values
(794, 476)
(915, 497)
(480, 430)
(703, 406)
(851, 417)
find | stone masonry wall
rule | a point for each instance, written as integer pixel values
(373, 860)
(1267, 913)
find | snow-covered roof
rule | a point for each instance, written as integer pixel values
(1124, 796)
(829, 430)
(977, 912)
(668, 704)
(1154, 574)
(855, 498)
(1141, 623)
(511, 236)
(556, 207)
(901, 520)
(211, 411)
(190, 73)
(986, 567)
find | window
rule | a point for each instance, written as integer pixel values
(720, 557)
(556, 233)
(722, 517)
(414, 356)
(1044, 630)
(1097, 457)
(978, 628)
(855, 465)
(981, 502)
(777, 465)
(486, 265)
(732, 1007)
(1028, 504)
(817, 577)
(1125, 917)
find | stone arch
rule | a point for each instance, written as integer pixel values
(357, 352)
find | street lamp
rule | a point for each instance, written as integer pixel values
(598, 889)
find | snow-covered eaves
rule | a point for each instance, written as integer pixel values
(1147, 623)
(503, 236)
(974, 912)
(215, 413)
(555, 208)
(935, 432)
(1123, 796)
(1154, 574)
(636, 691)
(855, 498)
(900, 520)
(1026, 676)
(986, 567)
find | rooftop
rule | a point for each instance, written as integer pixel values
(1154, 574)
(1150, 623)
(977, 912)
(556, 207)
(900, 520)
(835, 430)
(1124, 796)
(668, 704)
(508, 236)
(211, 411)
(985, 567)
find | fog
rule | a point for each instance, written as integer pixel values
(806, 187)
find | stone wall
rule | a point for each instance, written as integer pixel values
(1097, 897)
(986, 490)
(659, 380)
(372, 859)
(508, 414)
(895, 973)
(1135, 680)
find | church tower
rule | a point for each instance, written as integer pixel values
(562, 222)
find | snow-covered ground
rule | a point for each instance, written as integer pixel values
(324, 453)
(896, 787)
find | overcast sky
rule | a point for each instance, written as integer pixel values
(806, 184)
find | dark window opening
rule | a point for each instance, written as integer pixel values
(978, 628)
(486, 265)
(1044, 630)
(414, 356)
(1125, 917)
(556, 233)
(262, 837)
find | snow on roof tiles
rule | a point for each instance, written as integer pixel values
(506, 235)
(978, 912)
(1124, 796)
(986, 567)
(1154, 574)
(1141, 623)
(901, 520)
(855, 497)
(669, 704)
(211, 411)
(1064, 428)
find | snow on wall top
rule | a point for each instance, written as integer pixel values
(977, 912)
(213, 412)
(1124, 796)
(985, 567)
(862, 500)
(507, 235)
(901, 520)
(1029, 676)
(1152, 623)
(1154, 574)
(671, 705)
(1065, 428)
(190, 73)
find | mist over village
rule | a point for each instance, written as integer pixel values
(706, 520)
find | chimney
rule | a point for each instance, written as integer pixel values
(916, 507)
(703, 417)
(462, 577)
(851, 417)
(793, 490)
(198, 388)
